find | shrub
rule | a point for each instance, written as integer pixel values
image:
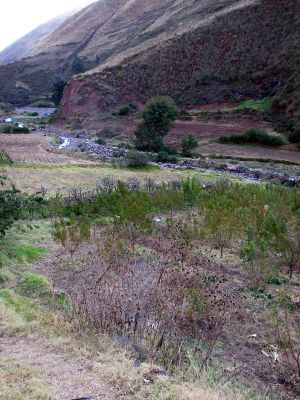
(124, 111)
(164, 156)
(100, 140)
(188, 143)
(136, 159)
(13, 129)
(9, 209)
(158, 115)
(257, 136)
(294, 136)
(42, 104)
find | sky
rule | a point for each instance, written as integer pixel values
(18, 17)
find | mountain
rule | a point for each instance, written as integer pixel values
(197, 51)
(25, 46)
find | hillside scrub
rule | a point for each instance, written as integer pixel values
(255, 136)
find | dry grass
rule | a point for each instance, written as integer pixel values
(29, 178)
(20, 382)
(35, 148)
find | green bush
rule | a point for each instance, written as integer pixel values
(257, 136)
(42, 104)
(164, 156)
(32, 114)
(188, 144)
(100, 140)
(294, 136)
(13, 129)
(136, 159)
(35, 285)
(124, 111)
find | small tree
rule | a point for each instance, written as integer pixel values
(158, 115)
(188, 143)
(135, 159)
(58, 86)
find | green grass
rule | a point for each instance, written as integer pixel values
(33, 285)
(17, 249)
(27, 253)
(19, 304)
(264, 106)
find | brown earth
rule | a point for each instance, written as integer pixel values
(207, 134)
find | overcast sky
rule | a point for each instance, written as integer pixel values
(18, 17)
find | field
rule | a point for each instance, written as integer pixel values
(183, 287)
(207, 133)
(38, 165)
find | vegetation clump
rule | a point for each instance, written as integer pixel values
(188, 144)
(5, 158)
(136, 159)
(79, 65)
(34, 285)
(256, 136)
(14, 129)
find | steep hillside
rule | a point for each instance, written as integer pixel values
(252, 51)
(28, 43)
(106, 32)
(196, 51)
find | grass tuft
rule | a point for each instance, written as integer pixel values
(34, 285)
